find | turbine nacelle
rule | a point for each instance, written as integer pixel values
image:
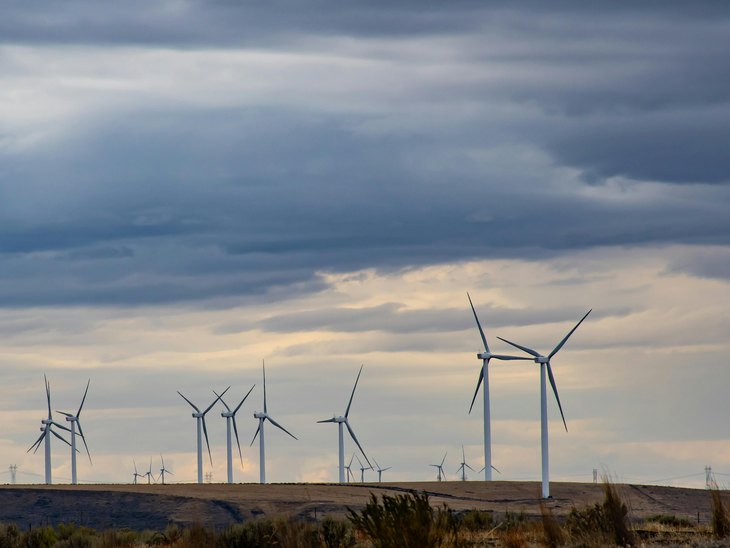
(542, 359)
(261, 416)
(198, 415)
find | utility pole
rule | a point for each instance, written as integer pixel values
(13, 473)
(595, 475)
(209, 477)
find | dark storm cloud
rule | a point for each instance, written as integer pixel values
(136, 203)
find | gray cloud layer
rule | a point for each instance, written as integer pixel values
(497, 134)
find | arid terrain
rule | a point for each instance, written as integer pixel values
(154, 506)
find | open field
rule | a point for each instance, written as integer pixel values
(154, 506)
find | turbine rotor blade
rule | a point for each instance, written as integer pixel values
(244, 399)
(205, 431)
(237, 441)
(328, 420)
(37, 442)
(223, 402)
(444, 459)
(555, 391)
(507, 358)
(62, 427)
(216, 400)
(353, 392)
(349, 428)
(272, 421)
(48, 395)
(66, 414)
(523, 348)
(256, 434)
(498, 472)
(191, 403)
(83, 438)
(263, 367)
(481, 331)
(469, 467)
(59, 437)
(555, 351)
(78, 413)
(479, 383)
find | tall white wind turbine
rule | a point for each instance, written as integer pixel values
(136, 474)
(46, 431)
(441, 467)
(362, 470)
(344, 420)
(149, 473)
(544, 362)
(200, 416)
(74, 420)
(230, 417)
(484, 376)
(263, 417)
(349, 470)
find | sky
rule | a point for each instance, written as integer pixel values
(190, 188)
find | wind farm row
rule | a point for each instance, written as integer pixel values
(342, 421)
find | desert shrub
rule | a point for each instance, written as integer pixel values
(251, 534)
(172, 533)
(552, 532)
(336, 534)
(514, 520)
(720, 521)
(513, 538)
(296, 534)
(9, 536)
(601, 523)
(406, 520)
(41, 537)
(477, 520)
(197, 536)
(116, 538)
(670, 520)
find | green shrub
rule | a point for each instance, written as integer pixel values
(477, 520)
(336, 534)
(9, 536)
(670, 520)
(406, 521)
(514, 521)
(41, 537)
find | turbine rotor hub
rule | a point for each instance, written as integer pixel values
(541, 359)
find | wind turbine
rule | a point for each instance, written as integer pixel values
(349, 470)
(263, 417)
(545, 367)
(343, 420)
(200, 416)
(380, 471)
(441, 467)
(149, 473)
(484, 376)
(136, 475)
(163, 470)
(463, 466)
(74, 420)
(46, 429)
(230, 416)
(362, 470)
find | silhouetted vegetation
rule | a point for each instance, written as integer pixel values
(670, 521)
(602, 523)
(720, 521)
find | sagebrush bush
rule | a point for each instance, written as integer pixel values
(670, 520)
(602, 523)
(720, 521)
(552, 532)
(477, 520)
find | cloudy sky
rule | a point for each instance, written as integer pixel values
(188, 188)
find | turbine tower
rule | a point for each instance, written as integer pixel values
(463, 466)
(149, 473)
(263, 417)
(441, 467)
(74, 420)
(545, 367)
(46, 431)
(484, 376)
(343, 420)
(381, 470)
(349, 470)
(136, 474)
(200, 416)
(230, 416)
(163, 470)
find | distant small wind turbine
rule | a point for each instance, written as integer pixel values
(381, 470)
(343, 420)
(484, 376)
(149, 473)
(163, 470)
(362, 470)
(46, 431)
(545, 367)
(464, 466)
(200, 417)
(136, 474)
(263, 417)
(230, 416)
(441, 467)
(349, 469)
(74, 420)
